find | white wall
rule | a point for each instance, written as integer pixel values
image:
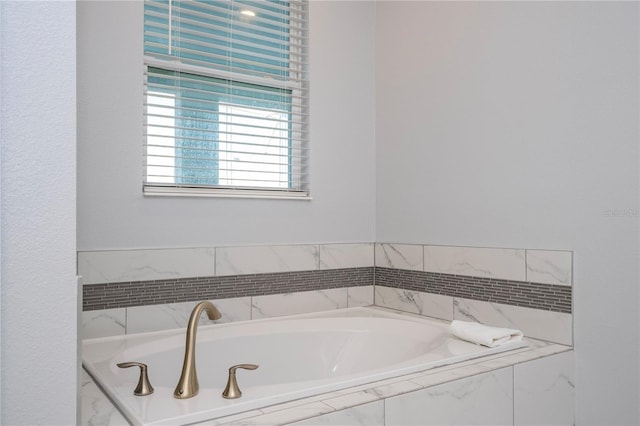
(39, 288)
(515, 124)
(113, 214)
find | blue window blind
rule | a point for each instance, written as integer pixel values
(226, 97)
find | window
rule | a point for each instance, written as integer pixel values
(226, 97)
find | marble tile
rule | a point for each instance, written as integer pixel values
(359, 296)
(549, 267)
(519, 357)
(95, 407)
(298, 303)
(232, 419)
(371, 414)
(284, 417)
(371, 392)
(351, 399)
(399, 256)
(544, 391)
(140, 265)
(141, 319)
(104, 323)
(265, 259)
(416, 302)
(393, 389)
(483, 399)
(337, 256)
(476, 261)
(458, 371)
(536, 323)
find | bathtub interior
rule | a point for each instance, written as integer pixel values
(299, 356)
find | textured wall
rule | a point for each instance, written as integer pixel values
(515, 124)
(39, 288)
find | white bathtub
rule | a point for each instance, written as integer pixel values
(299, 356)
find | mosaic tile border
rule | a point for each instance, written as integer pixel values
(143, 293)
(548, 297)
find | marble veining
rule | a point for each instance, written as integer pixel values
(95, 407)
(265, 259)
(476, 261)
(104, 323)
(428, 304)
(400, 256)
(298, 303)
(360, 296)
(480, 399)
(142, 319)
(322, 408)
(547, 325)
(549, 267)
(547, 382)
(370, 414)
(282, 417)
(338, 256)
(133, 265)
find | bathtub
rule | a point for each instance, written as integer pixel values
(299, 356)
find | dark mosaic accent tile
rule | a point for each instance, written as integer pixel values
(141, 293)
(547, 297)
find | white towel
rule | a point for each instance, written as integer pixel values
(484, 335)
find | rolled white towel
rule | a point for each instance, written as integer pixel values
(484, 335)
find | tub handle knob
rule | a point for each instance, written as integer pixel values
(144, 386)
(232, 390)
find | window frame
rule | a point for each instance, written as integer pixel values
(297, 84)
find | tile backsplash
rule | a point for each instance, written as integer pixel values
(124, 288)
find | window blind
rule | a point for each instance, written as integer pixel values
(226, 96)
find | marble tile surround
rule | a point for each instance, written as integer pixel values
(358, 405)
(197, 266)
(543, 266)
(483, 399)
(548, 297)
(546, 382)
(546, 265)
(552, 326)
(452, 392)
(479, 262)
(536, 323)
(142, 293)
(108, 266)
(141, 319)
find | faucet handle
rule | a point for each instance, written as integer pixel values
(144, 386)
(232, 390)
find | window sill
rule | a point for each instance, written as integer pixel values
(172, 191)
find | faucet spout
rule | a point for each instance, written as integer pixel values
(188, 384)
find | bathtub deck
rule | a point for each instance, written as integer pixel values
(97, 409)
